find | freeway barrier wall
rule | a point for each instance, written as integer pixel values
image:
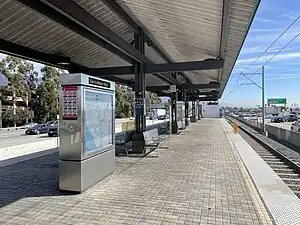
(23, 151)
(12, 128)
(279, 134)
(7, 153)
(283, 135)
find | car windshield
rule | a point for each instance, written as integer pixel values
(36, 126)
(50, 122)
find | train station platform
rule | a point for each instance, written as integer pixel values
(200, 179)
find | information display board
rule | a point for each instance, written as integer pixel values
(98, 120)
(86, 131)
(69, 101)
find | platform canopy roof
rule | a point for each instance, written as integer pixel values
(194, 42)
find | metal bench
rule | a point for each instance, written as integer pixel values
(180, 125)
(153, 139)
(121, 144)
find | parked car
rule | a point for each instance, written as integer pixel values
(53, 130)
(246, 116)
(29, 125)
(277, 119)
(296, 126)
(269, 116)
(161, 117)
(291, 118)
(253, 117)
(37, 129)
(51, 123)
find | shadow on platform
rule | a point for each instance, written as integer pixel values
(31, 178)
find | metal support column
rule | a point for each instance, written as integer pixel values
(173, 90)
(198, 110)
(186, 109)
(193, 118)
(174, 113)
(140, 93)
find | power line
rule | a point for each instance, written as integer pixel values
(271, 44)
(274, 42)
(272, 56)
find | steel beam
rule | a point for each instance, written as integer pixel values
(161, 68)
(111, 71)
(199, 86)
(197, 93)
(74, 17)
(76, 68)
(13, 49)
(209, 98)
(120, 12)
(65, 20)
(117, 9)
(183, 87)
(79, 15)
(184, 66)
(57, 61)
(224, 31)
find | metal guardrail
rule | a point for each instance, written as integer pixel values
(12, 128)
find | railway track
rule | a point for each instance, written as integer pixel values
(281, 161)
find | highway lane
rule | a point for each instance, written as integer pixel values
(18, 133)
(285, 125)
(6, 134)
(11, 138)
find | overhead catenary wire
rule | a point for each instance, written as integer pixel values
(282, 33)
(274, 42)
(297, 35)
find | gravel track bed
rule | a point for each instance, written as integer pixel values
(289, 153)
(283, 170)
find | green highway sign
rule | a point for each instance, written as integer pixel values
(276, 100)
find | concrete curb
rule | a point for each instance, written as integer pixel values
(281, 202)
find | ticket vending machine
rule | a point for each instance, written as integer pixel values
(180, 114)
(87, 128)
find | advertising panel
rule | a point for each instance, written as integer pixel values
(98, 120)
(69, 101)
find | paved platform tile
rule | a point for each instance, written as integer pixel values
(198, 180)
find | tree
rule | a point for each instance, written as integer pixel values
(151, 98)
(124, 101)
(45, 103)
(21, 76)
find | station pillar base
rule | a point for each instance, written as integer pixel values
(193, 119)
(138, 143)
(174, 128)
(77, 176)
(187, 122)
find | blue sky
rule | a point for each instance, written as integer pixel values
(282, 74)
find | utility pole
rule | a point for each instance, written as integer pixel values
(262, 87)
(263, 98)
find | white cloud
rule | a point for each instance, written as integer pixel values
(279, 57)
(265, 20)
(264, 30)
